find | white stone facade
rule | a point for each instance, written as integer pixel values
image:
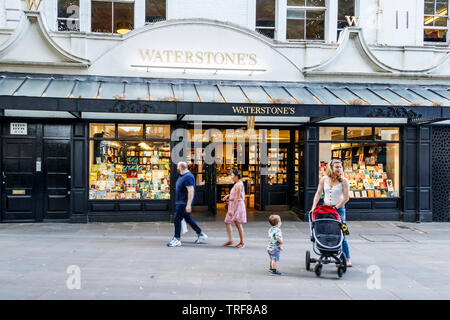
(386, 46)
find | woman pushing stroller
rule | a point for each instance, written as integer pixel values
(336, 188)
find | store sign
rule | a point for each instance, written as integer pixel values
(17, 128)
(33, 3)
(270, 110)
(189, 57)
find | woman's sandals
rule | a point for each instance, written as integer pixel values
(239, 245)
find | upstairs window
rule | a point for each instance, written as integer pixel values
(155, 10)
(68, 15)
(112, 16)
(265, 17)
(436, 21)
(305, 20)
(346, 8)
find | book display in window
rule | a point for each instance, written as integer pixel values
(277, 166)
(130, 170)
(365, 167)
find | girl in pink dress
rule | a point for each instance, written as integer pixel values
(236, 209)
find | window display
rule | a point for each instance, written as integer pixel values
(129, 169)
(373, 169)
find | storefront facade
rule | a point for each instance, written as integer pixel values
(91, 137)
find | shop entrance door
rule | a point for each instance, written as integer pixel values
(56, 174)
(36, 175)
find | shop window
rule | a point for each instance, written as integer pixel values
(102, 130)
(265, 17)
(305, 20)
(331, 133)
(130, 131)
(436, 21)
(128, 169)
(112, 16)
(155, 10)
(68, 15)
(372, 168)
(346, 8)
(362, 133)
(387, 134)
(157, 131)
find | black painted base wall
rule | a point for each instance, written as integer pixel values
(441, 173)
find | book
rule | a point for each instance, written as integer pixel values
(370, 193)
(389, 185)
(377, 193)
(364, 194)
(351, 194)
(357, 194)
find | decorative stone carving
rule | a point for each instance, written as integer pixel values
(394, 112)
(132, 107)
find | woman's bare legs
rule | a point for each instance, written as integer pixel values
(230, 239)
(241, 234)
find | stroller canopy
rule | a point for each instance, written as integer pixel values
(327, 227)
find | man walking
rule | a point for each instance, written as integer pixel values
(184, 196)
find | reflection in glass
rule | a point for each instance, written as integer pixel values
(331, 133)
(155, 10)
(112, 17)
(436, 20)
(388, 133)
(265, 17)
(68, 15)
(130, 131)
(305, 24)
(102, 130)
(153, 131)
(345, 8)
(362, 133)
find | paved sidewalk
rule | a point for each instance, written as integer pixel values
(131, 261)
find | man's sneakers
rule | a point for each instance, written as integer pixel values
(201, 238)
(174, 243)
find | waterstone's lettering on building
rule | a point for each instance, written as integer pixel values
(263, 110)
(197, 57)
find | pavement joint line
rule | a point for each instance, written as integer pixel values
(168, 237)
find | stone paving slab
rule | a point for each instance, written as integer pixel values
(131, 261)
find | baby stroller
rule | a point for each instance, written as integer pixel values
(325, 226)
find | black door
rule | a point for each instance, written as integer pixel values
(19, 180)
(56, 173)
(36, 175)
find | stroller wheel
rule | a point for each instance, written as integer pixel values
(343, 263)
(340, 272)
(308, 260)
(318, 270)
